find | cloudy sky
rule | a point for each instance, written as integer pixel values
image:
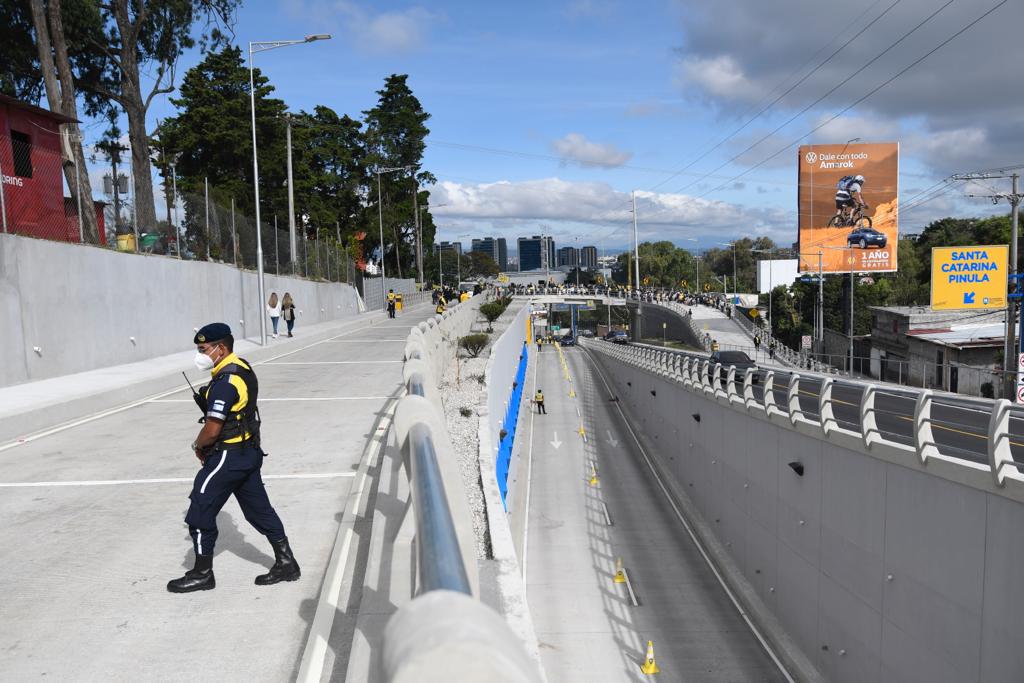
(547, 115)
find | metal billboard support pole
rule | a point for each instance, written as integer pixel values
(3, 205)
(1010, 346)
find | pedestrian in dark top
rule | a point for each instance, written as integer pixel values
(228, 448)
(288, 311)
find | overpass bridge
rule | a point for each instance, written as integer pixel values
(771, 525)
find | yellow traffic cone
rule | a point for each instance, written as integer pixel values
(620, 573)
(572, 392)
(649, 667)
(593, 475)
(583, 432)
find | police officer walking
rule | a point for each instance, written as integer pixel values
(539, 400)
(228, 446)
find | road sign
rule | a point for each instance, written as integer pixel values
(556, 328)
(1020, 378)
(805, 342)
(969, 277)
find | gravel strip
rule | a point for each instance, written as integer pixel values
(462, 388)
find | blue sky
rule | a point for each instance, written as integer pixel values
(586, 100)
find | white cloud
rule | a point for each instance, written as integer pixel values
(662, 216)
(720, 76)
(576, 147)
(371, 31)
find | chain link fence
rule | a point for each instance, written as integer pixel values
(39, 197)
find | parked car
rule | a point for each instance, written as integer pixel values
(567, 341)
(738, 359)
(866, 237)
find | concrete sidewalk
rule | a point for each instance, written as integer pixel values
(93, 514)
(729, 334)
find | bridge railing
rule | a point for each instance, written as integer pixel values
(444, 633)
(993, 469)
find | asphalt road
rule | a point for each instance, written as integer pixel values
(588, 626)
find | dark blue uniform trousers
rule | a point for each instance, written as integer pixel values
(230, 471)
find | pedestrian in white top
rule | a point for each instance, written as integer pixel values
(274, 311)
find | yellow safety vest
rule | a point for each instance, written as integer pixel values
(539, 398)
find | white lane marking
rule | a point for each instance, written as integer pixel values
(529, 474)
(135, 404)
(168, 480)
(607, 517)
(689, 530)
(315, 652)
(308, 398)
(336, 362)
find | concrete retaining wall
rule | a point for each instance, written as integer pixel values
(87, 308)
(878, 567)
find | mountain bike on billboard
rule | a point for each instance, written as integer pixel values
(850, 216)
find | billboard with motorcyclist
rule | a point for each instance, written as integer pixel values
(848, 207)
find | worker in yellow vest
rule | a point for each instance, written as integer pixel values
(441, 303)
(538, 398)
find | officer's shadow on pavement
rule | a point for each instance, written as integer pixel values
(231, 540)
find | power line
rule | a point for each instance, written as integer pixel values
(865, 96)
(788, 91)
(830, 91)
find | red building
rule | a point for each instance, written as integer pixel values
(33, 176)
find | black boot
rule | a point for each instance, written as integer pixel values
(285, 567)
(199, 578)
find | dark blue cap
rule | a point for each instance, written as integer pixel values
(211, 333)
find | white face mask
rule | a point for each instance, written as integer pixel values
(202, 361)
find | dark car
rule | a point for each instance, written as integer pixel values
(567, 341)
(866, 237)
(619, 337)
(734, 358)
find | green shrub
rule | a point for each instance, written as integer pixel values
(473, 344)
(491, 311)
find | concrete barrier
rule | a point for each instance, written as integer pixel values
(879, 560)
(70, 308)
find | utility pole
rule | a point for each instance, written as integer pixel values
(636, 264)
(1010, 345)
(291, 196)
(419, 228)
(851, 323)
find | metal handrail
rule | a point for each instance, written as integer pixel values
(710, 381)
(438, 558)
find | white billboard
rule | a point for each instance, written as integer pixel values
(771, 274)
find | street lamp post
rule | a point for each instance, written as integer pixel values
(696, 259)
(254, 47)
(380, 215)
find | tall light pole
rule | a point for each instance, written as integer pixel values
(254, 47)
(291, 196)
(577, 264)
(380, 215)
(735, 283)
(636, 266)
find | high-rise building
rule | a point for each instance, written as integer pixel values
(588, 258)
(531, 253)
(448, 246)
(496, 248)
(485, 245)
(567, 256)
(502, 255)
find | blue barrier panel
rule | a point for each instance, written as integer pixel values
(509, 426)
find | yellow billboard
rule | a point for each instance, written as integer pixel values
(848, 207)
(969, 277)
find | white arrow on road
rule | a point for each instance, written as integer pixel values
(556, 443)
(612, 440)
